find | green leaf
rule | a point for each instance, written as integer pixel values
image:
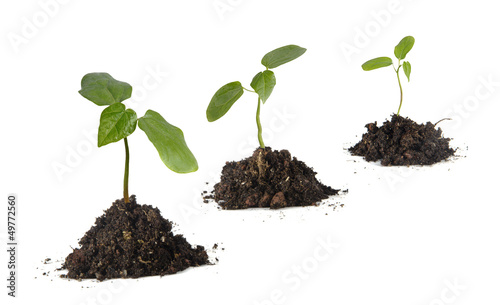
(263, 83)
(376, 63)
(102, 89)
(404, 46)
(223, 99)
(407, 69)
(169, 141)
(116, 124)
(281, 56)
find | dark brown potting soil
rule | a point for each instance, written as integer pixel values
(402, 141)
(131, 241)
(269, 179)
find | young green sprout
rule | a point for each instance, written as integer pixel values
(118, 123)
(403, 47)
(263, 83)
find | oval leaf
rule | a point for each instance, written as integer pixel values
(282, 55)
(116, 123)
(404, 46)
(169, 142)
(407, 69)
(263, 83)
(376, 63)
(102, 89)
(223, 99)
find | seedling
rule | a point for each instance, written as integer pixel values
(403, 47)
(263, 83)
(118, 123)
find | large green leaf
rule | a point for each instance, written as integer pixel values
(376, 63)
(116, 124)
(263, 83)
(169, 141)
(223, 99)
(102, 89)
(407, 69)
(404, 46)
(281, 56)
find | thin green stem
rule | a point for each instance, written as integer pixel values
(125, 179)
(400, 88)
(248, 90)
(259, 126)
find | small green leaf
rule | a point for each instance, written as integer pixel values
(282, 55)
(407, 69)
(102, 89)
(376, 63)
(169, 141)
(116, 124)
(403, 47)
(263, 83)
(223, 99)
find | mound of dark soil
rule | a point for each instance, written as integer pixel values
(269, 179)
(401, 141)
(131, 241)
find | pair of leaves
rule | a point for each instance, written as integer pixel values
(263, 82)
(401, 50)
(381, 62)
(117, 122)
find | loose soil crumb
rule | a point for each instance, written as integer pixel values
(269, 179)
(402, 141)
(131, 241)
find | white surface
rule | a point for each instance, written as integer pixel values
(403, 235)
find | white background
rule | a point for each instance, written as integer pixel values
(405, 235)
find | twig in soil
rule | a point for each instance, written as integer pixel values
(445, 119)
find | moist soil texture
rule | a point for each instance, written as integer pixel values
(402, 141)
(131, 241)
(269, 179)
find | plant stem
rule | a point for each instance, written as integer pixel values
(400, 88)
(125, 179)
(248, 90)
(259, 126)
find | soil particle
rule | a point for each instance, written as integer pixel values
(131, 241)
(278, 201)
(269, 179)
(402, 141)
